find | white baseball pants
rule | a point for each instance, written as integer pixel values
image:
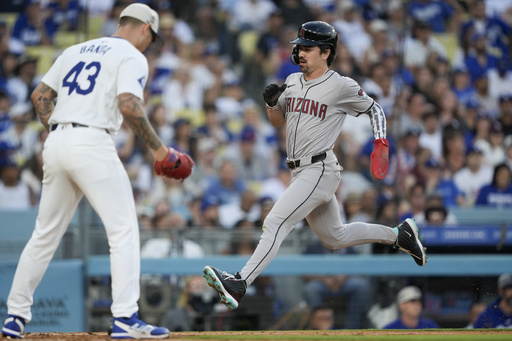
(80, 161)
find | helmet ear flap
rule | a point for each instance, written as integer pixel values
(295, 55)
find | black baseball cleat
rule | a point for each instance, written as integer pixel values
(231, 288)
(409, 242)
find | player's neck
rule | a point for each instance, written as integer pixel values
(315, 74)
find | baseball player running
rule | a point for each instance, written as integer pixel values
(98, 83)
(313, 104)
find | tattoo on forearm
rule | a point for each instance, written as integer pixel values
(43, 103)
(133, 113)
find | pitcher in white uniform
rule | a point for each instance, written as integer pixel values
(313, 104)
(98, 83)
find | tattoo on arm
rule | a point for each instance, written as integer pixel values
(42, 98)
(133, 113)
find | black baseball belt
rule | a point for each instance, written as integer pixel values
(75, 125)
(292, 164)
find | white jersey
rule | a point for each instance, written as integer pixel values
(315, 111)
(89, 76)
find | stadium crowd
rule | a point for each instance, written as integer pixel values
(441, 70)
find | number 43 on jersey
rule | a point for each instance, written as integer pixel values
(71, 79)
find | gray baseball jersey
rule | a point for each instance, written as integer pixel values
(314, 112)
(316, 109)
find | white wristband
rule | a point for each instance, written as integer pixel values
(275, 107)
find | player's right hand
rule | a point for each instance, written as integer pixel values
(272, 92)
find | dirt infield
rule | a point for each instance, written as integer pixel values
(371, 334)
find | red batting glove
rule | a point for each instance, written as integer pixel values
(380, 159)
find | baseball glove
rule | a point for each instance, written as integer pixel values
(176, 165)
(380, 159)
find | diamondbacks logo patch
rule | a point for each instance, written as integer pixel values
(363, 94)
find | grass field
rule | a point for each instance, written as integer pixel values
(366, 335)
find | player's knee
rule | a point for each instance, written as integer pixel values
(332, 246)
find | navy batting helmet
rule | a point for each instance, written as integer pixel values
(314, 33)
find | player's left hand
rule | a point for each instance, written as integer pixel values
(175, 165)
(380, 159)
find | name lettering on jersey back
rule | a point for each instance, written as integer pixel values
(306, 106)
(95, 49)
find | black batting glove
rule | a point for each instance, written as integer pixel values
(272, 92)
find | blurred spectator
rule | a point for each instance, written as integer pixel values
(230, 215)
(230, 102)
(8, 64)
(479, 59)
(65, 14)
(345, 64)
(380, 85)
(195, 303)
(164, 245)
(14, 194)
(32, 27)
(274, 187)
(453, 149)
(416, 202)
(420, 45)
(436, 216)
(159, 122)
(439, 14)
(227, 187)
(494, 28)
(266, 135)
(505, 113)
(441, 182)
(264, 63)
(357, 290)
(32, 172)
(405, 160)
(21, 134)
(205, 168)
(474, 311)
(482, 95)
(109, 26)
(411, 119)
(500, 78)
(379, 47)
(462, 86)
(251, 15)
(182, 96)
(20, 86)
(213, 128)
(492, 147)
(252, 165)
(432, 137)
(410, 308)
(350, 26)
(396, 23)
(436, 211)
(499, 313)
(471, 178)
(499, 192)
(295, 12)
(265, 204)
(321, 318)
(5, 105)
(184, 139)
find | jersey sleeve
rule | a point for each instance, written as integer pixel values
(52, 77)
(132, 76)
(352, 98)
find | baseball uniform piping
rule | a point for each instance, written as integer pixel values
(285, 219)
(302, 106)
